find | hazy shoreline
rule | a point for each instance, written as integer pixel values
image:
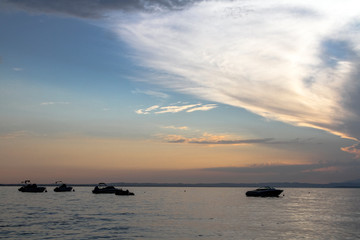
(354, 184)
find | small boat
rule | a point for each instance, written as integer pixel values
(31, 187)
(63, 187)
(124, 192)
(264, 192)
(103, 188)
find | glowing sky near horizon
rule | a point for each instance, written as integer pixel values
(180, 91)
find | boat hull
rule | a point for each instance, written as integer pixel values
(67, 189)
(264, 193)
(36, 190)
(124, 192)
(107, 190)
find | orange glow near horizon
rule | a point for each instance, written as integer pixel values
(82, 158)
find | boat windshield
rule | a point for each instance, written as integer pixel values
(265, 188)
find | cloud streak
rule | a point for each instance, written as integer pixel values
(295, 62)
(211, 139)
(152, 93)
(54, 103)
(176, 108)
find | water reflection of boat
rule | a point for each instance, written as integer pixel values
(31, 187)
(63, 187)
(264, 192)
(124, 192)
(103, 188)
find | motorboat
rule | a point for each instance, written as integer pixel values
(124, 192)
(264, 192)
(63, 187)
(103, 188)
(31, 187)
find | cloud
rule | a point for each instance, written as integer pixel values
(177, 128)
(295, 62)
(94, 8)
(324, 169)
(354, 149)
(16, 134)
(152, 93)
(211, 139)
(17, 69)
(176, 108)
(203, 108)
(147, 110)
(232, 142)
(286, 168)
(54, 103)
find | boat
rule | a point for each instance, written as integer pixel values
(31, 187)
(264, 192)
(63, 187)
(124, 192)
(103, 188)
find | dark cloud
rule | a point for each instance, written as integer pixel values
(93, 8)
(177, 141)
(351, 102)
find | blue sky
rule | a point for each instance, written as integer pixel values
(179, 91)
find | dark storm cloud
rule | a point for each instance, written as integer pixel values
(92, 8)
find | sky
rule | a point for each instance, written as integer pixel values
(179, 91)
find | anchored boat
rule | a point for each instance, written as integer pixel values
(124, 192)
(264, 192)
(31, 187)
(63, 187)
(103, 188)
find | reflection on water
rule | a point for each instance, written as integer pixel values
(172, 213)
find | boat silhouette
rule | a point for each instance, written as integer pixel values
(264, 192)
(31, 187)
(103, 188)
(63, 187)
(124, 192)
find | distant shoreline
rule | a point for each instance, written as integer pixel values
(225, 185)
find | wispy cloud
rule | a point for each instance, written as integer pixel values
(354, 149)
(211, 139)
(151, 93)
(147, 110)
(324, 169)
(176, 108)
(17, 69)
(54, 103)
(16, 134)
(294, 62)
(176, 128)
(203, 108)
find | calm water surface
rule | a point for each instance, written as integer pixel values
(180, 213)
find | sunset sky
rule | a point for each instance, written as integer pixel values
(170, 91)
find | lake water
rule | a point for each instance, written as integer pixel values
(180, 213)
